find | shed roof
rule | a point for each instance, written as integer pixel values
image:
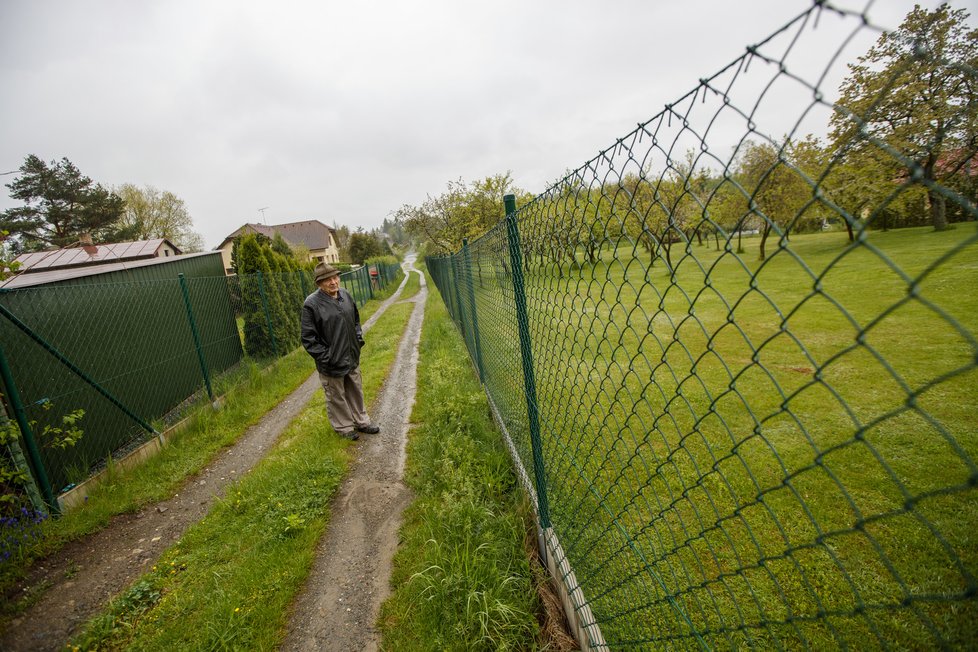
(90, 255)
(67, 273)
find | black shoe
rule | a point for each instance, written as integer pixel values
(369, 429)
(349, 435)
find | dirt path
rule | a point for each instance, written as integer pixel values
(80, 579)
(338, 606)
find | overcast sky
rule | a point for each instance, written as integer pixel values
(343, 112)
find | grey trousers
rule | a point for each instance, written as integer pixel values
(344, 401)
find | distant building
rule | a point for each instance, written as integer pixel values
(315, 236)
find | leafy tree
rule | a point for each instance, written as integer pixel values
(342, 235)
(60, 206)
(909, 107)
(280, 246)
(463, 211)
(284, 300)
(150, 213)
(263, 240)
(778, 196)
(362, 246)
(271, 288)
(394, 229)
(662, 209)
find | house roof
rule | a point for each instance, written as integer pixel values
(313, 234)
(34, 262)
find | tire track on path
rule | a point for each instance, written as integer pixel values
(84, 575)
(339, 603)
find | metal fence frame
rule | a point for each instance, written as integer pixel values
(133, 354)
(688, 491)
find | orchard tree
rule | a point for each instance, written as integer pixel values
(151, 213)
(916, 92)
(61, 206)
(463, 211)
(778, 195)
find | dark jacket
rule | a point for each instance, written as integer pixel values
(331, 332)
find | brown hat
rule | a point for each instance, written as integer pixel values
(324, 271)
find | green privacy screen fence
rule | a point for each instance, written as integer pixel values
(741, 426)
(131, 348)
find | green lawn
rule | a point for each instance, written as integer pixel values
(776, 453)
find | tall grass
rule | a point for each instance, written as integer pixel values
(759, 453)
(461, 578)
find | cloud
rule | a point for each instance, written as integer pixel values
(345, 111)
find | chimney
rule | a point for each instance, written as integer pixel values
(85, 240)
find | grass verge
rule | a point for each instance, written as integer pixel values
(461, 578)
(185, 454)
(228, 582)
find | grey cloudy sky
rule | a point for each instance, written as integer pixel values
(342, 112)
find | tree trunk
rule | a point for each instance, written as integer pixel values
(764, 234)
(938, 215)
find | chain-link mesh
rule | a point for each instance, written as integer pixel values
(131, 354)
(742, 427)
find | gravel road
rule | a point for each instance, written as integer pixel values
(338, 606)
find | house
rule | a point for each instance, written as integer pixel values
(315, 236)
(83, 260)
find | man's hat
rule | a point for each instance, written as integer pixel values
(324, 271)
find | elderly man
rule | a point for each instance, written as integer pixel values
(331, 334)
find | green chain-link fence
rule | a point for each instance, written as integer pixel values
(742, 427)
(132, 353)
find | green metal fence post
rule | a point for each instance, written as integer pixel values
(196, 334)
(22, 464)
(268, 316)
(466, 258)
(33, 453)
(529, 380)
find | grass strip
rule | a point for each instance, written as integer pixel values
(461, 578)
(228, 582)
